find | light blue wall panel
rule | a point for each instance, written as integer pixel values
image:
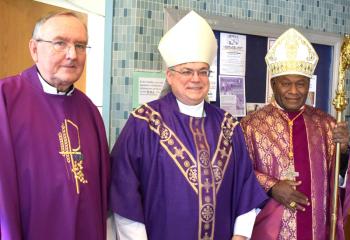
(138, 27)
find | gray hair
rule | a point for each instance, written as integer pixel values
(44, 19)
(166, 89)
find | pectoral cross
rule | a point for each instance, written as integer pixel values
(290, 174)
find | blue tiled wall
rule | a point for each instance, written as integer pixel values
(138, 27)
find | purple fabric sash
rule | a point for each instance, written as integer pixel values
(269, 218)
(302, 166)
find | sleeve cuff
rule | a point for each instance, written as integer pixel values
(128, 229)
(244, 223)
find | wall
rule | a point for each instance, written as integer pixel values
(138, 27)
(94, 60)
(18, 18)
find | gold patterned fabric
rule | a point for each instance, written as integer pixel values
(267, 137)
(292, 53)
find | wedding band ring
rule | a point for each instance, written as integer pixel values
(293, 204)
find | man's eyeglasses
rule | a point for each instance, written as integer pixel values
(63, 46)
(189, 73)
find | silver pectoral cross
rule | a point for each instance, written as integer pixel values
(290, 174)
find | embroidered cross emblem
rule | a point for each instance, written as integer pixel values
(222, 152)
(206, 237)
(207, 185)
(179, 153)
(70, 149)
(198, 134)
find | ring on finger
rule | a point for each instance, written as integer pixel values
(292, 204)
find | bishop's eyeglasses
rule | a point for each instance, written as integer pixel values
(63, 46)
(189, 73)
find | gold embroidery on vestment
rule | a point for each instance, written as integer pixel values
(204, 174)
(73, 155)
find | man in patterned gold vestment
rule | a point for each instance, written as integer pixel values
(293, 148)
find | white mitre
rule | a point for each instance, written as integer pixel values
(291, 54)
(190, 40)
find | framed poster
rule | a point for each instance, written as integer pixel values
(147, 87)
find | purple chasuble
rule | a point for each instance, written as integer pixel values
(54, 163)
(183, 177)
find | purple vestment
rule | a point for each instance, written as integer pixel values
(183, 177)
(54, 163)
(268, 139)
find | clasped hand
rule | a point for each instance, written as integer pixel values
(284, 192)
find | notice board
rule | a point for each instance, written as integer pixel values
(255, 74)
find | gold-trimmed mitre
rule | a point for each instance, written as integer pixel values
(292, 53)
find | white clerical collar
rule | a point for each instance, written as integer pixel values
(192, 110)
(52, 90)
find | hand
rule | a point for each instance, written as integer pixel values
(340, 134)
(284, 192)
(238, 237)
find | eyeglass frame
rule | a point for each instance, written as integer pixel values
(78, 47)
(189, 73)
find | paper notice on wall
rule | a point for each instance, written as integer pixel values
(147, 87)
(232, 54)
(232, 94)
(311, 97)
(213, 81)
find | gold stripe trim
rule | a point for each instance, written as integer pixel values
(223, 151)
(171, 144)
